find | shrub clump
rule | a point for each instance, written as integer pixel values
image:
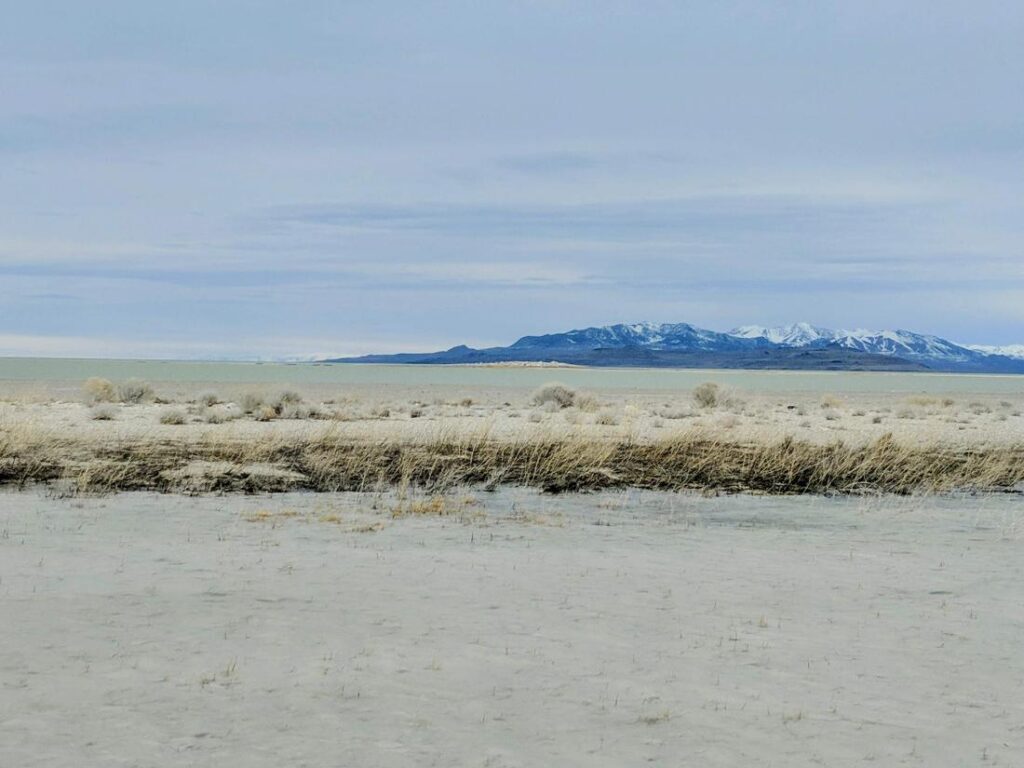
(209, 399)
(557, 394)
(706, 395)
(251, 403)
(265, 413)
(289, 397)
(99, 390)
(175, 417)
(134, 391)
(103, 413)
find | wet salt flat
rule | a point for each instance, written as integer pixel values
(515, 629)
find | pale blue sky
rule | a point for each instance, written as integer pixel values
(264, 179)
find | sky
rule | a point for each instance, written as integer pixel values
(264, 179)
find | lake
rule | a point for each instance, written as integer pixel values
(14, 369)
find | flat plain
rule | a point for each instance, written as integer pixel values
(511, 629)
(490, 623)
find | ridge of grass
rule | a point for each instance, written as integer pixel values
(332, 462)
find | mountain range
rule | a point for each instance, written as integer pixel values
(800, 346)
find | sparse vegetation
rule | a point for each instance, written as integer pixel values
(98, 390)
(209, 399)
(251, 403)
(706, 395)
(265, 412)
(173, 417)
(213, 416)
(134, 391)
(556, 394)
(103, 413)
(288, 397)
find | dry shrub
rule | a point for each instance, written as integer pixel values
(706, 395)
(134, 391)
(103, 413)
(213, 416)
(99, 390)
(288, 397)
(251, 403)
(174, 417)
(556, 394)
(606, 419)
(209, 399)
(676, 413)
(265, 413)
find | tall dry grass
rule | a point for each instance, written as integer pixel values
(333, 462)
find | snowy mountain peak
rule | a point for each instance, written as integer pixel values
(898, 343)
(793, 335)
(1014, 351)
(798, 346)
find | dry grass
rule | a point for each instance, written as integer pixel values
(331, 462)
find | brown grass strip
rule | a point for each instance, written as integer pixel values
(333, 463)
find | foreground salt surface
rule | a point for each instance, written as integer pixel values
(600, 630)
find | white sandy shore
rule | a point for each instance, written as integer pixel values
(599, 630)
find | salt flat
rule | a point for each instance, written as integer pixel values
(414, 411)
(510, 629)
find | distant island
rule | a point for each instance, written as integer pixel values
(800, 346)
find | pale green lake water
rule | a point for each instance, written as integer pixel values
(72, 370)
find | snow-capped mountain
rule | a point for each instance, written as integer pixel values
(665, 336)
(800, 346)
(1014, 351)
(795, 335)
(899, 343)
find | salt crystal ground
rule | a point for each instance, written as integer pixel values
(510, 629)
